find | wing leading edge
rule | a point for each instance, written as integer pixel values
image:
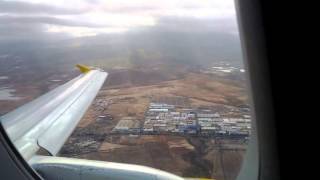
(49, 120)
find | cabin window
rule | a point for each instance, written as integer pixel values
(175, 97)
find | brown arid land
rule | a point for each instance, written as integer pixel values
(216, 158)
(128, 93)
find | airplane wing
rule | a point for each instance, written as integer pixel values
(48, 121)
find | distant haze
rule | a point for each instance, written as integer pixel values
(129, 32)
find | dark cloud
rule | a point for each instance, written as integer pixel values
(171, 34)
(27, 32)
(34, 28)
(187, 39)
(9, 19)
(18, 28)
(33, 8)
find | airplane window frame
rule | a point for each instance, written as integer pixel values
(251, 33)
(15, 167)
(252, 20)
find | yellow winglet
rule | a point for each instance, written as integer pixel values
(83, 68)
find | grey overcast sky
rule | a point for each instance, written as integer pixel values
(80, 18)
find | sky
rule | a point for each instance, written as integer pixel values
(54, 19)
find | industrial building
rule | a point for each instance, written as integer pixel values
(127, 125)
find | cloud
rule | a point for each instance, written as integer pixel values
(18, 33)
(224, 25)
(10, 19)
(94, 17)
(157, 8)
(34, 8)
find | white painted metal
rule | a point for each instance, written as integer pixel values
(78, 169)
(50, 119)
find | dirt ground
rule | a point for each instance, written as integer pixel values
(184, 156)
(125, 95)
(187, 157)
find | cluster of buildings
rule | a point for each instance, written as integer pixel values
(225, 126)
(166, 118)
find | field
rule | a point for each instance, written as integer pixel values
(185, 156)
(127, 92)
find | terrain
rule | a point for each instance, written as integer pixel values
(142, 67)
(127, 92)
(185, 156)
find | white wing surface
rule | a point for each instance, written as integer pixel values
(49, 120)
